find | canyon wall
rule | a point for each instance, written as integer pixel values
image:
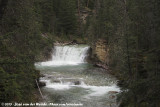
(100, 52)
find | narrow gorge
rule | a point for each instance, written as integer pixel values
(89, 53)
(70, 79)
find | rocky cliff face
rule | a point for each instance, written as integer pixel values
(100, 51)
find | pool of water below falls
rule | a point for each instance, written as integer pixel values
(79, 83)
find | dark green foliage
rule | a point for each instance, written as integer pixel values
(19, 43)
(57, 16)
(131, 28)
(66, 16)
(46, 14)
(25, 26)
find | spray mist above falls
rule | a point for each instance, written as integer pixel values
(68, 55)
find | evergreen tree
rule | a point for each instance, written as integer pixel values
(20, 42)
(66, 16)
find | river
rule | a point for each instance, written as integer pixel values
(72, 82)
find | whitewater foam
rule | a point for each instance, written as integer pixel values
(95, 90)
(67, 55)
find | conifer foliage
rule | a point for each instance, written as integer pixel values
(130, 27)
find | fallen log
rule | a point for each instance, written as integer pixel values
(39, 89)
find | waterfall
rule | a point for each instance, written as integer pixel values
(68, 55)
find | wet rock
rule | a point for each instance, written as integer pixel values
(100, 65)
(56, 81)
(89, 56)
(77, 83)
(112, 92)
(74, 42)
(42, 84)
(112, 96)
(49, 77)
(42, 75)
(120, 82)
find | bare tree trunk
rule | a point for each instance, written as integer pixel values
(126, 35)
(87, 3)
(78, 8)
(39, 89)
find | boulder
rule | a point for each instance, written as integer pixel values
(42, 84)
(56, 81)
(77, 83)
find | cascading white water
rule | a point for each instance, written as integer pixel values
(67, 55)
(82, 83)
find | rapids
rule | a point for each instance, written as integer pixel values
(71, 80)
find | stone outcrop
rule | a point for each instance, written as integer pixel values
(73, 42)
(101, 51)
